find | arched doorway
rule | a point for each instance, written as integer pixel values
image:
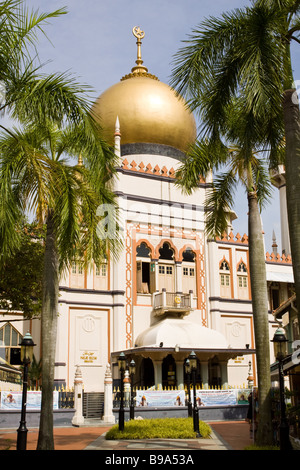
(147, 373)
(214, 372)
(143, 269)
(169, 372)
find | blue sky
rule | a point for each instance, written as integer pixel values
(94, 41)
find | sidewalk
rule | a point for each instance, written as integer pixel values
(228, 435)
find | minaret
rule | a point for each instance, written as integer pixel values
(274, 244)
(278, 180)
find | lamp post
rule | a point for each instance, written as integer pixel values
(131, 373)
(280, 350)
(193, 363)
(187, 367)
(122, 367)
(27, 345)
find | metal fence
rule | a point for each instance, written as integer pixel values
(93, 405)
(171, 299)
(65, 398)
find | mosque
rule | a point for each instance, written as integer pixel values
(171, 290)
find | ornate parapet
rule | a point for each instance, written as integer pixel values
(230, 238)
(277, 258)
(149, 170)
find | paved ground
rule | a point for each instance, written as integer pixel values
(229, 435)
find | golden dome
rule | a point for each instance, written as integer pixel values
(149, 111)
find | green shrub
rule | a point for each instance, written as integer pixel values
(159, 428)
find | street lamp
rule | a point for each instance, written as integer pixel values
(122, 367)
(280, 350)
(131, 373)
(27, 345)
(193, 363)
(187, 367)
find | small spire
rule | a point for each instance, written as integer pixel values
(117, 138)
(80, 161)
(274, 244)
(117, 126)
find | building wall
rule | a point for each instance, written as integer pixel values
(103, 310)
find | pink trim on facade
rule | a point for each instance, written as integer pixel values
(142, 168)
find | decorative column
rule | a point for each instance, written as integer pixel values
(178, 278)
(78, 418)
(126, 388)
(164, 297)
(158, 374)
(204, 374)
(108, 416)
(224, 375)
(179, 375)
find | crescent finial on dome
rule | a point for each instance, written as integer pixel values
(139, 70)
(139, 34)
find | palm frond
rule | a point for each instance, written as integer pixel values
(37, 98)
(262, 180)
(219, 201)
(204, 47)
(204, 156)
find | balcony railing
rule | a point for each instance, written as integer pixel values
(163, 302)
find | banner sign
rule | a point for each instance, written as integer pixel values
(160, 398)
(13, 400)
(156, 398)
(243, 395)
(215, 397)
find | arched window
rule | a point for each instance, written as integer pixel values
(143, 285)
(225, 287)
(9, 344)
(242, 281)
(143, 251)
(166, 252)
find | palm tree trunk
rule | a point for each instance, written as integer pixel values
(260, 319)
(292, 170)
(49, 332)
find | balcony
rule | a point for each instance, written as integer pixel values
(170, 302)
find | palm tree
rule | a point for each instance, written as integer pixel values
(26, 94)
(243, 163)
(249, 50)
(33, 174)
(36, 173)
(245, 55)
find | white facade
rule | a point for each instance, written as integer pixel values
(168, 276)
